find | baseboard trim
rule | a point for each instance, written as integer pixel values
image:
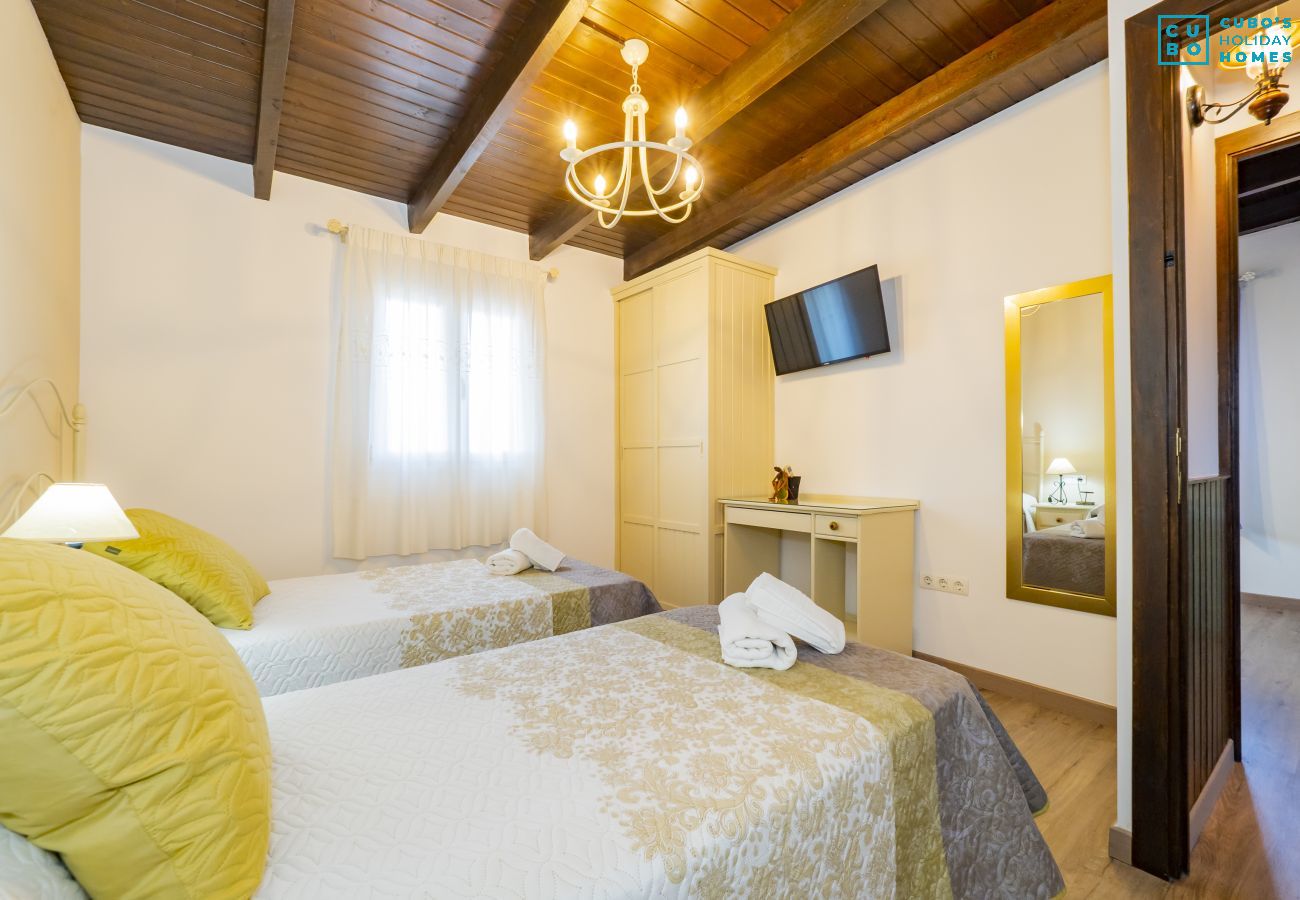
(1214, 786)
(1070, 704)
(1266, 601)
(1120, 845)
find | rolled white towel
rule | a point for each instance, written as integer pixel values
(749, 643)
(794, 612)
(507, 562)
(543, 555)
(1088, 528)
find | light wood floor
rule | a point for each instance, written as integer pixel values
(1251, 846)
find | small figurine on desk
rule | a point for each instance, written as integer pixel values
(781, 485)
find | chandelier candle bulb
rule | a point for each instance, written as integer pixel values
(571, 138)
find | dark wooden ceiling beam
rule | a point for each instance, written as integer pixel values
(543, 33)
(797, 38)
(998, 58)
(275, 66)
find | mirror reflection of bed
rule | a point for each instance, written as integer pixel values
(1070, 556)
(1059, 542)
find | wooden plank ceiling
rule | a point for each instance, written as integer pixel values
(457, 104)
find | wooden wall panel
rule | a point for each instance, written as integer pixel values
(1208, 631)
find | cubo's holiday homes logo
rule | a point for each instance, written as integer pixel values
(1179, 32)
(1254, 41)
(1237, 42)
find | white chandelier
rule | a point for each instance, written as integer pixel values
(611, 202)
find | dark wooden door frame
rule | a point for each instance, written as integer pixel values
(1229, 152)
(1157, 267)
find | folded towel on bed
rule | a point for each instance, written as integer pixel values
(1088, 528)
(748, 642)
(507, 562)
(543, 555)
(794, 612)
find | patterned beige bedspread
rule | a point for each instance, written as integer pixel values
(627, 761)
(318, 630)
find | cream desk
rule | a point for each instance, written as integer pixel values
(883, 530)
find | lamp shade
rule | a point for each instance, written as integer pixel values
(1060, 466)
(72, 514)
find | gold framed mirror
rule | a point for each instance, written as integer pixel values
(1061, 446)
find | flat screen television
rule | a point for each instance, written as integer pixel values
(840, 320)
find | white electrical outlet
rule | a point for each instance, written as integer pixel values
(945, 583)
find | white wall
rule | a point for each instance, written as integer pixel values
(1016, 203)
(39, 184)
(206, 350)
(1202, 311)
(1270, 412)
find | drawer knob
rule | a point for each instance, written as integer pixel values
(835, 526)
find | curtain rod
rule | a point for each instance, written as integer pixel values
(334, 226)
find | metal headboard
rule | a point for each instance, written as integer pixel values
(74, 418)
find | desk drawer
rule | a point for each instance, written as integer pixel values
(836, 526)
(770, 518)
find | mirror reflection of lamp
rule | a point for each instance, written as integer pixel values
(1269, 57)
(1060, 467)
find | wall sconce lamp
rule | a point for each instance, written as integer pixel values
(1268, 97)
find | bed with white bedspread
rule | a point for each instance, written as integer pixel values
(322, 629)
(627, 761)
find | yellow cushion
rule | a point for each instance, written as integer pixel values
(204, 570)
(132, 739)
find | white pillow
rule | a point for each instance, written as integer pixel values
(29, 873)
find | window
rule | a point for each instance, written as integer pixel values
(430, 388)
(438, 430)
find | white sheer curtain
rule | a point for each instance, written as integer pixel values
(438, 424)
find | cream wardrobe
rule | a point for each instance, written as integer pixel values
(695, 418)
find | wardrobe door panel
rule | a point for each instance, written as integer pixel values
(637, 548)
(681, 487)
(637, 419)
(681, 318)
(636, 332)
(683, 402)
(637, 484)
(680, 568)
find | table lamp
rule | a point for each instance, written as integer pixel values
(1060, 467)
(69, 513)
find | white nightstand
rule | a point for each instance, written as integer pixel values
(1051, 514)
